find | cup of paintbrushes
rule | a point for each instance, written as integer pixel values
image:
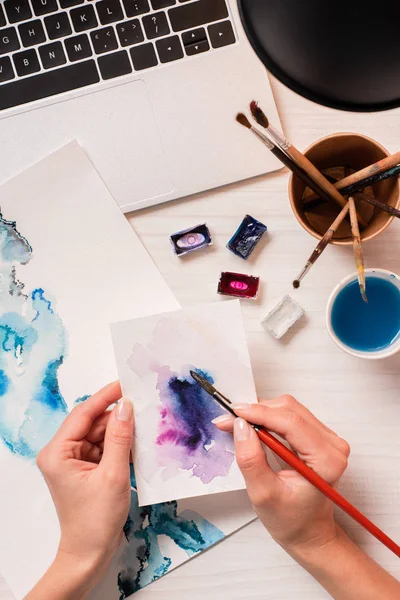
(338, 156)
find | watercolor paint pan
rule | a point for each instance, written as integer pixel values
(238, 285)
(246, 237)
(191, 239)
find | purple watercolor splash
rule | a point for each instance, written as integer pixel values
(186, 438)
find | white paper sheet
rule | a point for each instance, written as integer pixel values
(178, 451)
(81, 267)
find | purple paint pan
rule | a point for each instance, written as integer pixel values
(191, 239)
(238, 285)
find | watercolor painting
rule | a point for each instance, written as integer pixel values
(52, 356)
(178, 452)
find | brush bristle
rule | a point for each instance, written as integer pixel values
(296, 284)
(243, 120)
(258, 114)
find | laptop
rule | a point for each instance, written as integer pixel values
(149, 88)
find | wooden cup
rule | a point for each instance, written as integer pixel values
(354, 151)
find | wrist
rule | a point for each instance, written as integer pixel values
(81, 572)
(319, 548)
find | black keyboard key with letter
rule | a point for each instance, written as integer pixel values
(9, 40)
(156, 25)
(104, 40)
(57, 26)
(133, 8)
(197, 13)
(130, 33)
(143, 57)
(52, 55)
(78, 47)
(32, 33)
(49, 83)
(221, 34)
(6, 69)
(169, 49)
(17, 10)
(26, 62)
(43, 7)
(83, 18)
(115, 65)
(109, 11)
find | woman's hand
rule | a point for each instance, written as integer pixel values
(294, 512)
(86, 467)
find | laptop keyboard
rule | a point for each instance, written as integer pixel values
(48, 47)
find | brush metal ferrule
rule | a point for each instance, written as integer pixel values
(279, 138)
(265, 139)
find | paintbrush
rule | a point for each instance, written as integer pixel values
(284, 158)
(358, 254)
(395, 212)
(300, 159)
(322, 245)
(298, 465)
(383, 169)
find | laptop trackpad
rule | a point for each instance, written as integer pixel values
(116, 127)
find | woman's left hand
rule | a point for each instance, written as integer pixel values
(86, 467)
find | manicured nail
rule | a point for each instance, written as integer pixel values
(223, 419)
(241, 406)
(124, 410)
(241, 430)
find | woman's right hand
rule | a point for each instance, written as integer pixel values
(294, 512)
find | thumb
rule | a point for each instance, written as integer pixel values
(118, 439)
(261, 481)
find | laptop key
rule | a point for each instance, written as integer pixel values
(57, 25)
(197, 48)
(104, 40)
(136, 7)
(157, 4)
(130, 33)
(2, 17)
(109, 11)
(32, 33)
(197, 13)
(196, 35)
(9, 40)
(78, 47)
(49, 83)
(169, 49)
(143, 57)
(68, 3)
(42, 7)
(221, 34)
(52, 55)
(6, 69)
(17, 10)
(156, 25)
(83, 18)
(26, 62)
(114, 65)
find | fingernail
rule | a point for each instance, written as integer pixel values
(222, 419)
(241, 406)
(124, 410)
(241, 430)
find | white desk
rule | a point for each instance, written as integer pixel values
(359, 400)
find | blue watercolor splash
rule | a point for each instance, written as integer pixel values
(143, 559)
(186, 436)
(33, 347)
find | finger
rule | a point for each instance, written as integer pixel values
(290, 402)
(80, 420)
(118, 442)
(91, 452)
(98, 429)
(310, 442)
(224, 422)
(261, 482)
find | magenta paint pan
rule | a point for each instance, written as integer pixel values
(191, 239)
(238, 285)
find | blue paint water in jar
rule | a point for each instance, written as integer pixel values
(368, 327)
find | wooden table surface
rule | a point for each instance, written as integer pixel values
(360, 400)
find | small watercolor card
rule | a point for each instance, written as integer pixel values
(178, 452)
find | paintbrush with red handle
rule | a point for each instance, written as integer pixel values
(298, 465)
